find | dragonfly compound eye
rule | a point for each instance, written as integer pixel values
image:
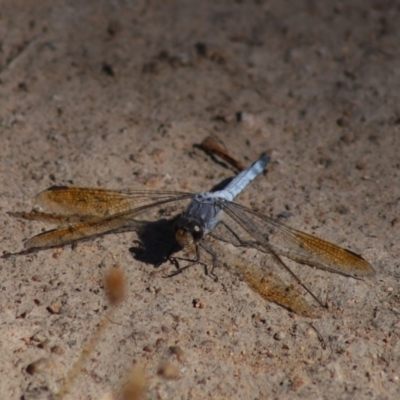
(183, 237)
(188, 231)
(196, 231)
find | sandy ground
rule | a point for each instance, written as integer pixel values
(116, 95)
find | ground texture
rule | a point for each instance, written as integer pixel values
(117, 94)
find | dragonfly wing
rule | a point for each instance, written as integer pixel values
(52, 218)
(100, 226)
(92, 203)
(264, 282)
(298, 246)
(81, 231)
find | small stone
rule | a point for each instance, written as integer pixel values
(168, 371)
(279, 335)
(198, 303)
(57, 350)
(180, 354)
(38, 366)
(55, 307)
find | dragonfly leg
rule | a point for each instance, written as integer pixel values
(169, 257)
(214, 260)
(191, 261)
(238, 241)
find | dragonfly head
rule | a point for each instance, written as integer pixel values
(188, 231)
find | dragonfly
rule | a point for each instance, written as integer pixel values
(87, 213)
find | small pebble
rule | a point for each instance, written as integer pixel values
(279, 335)
(180, 354)
(168, 371)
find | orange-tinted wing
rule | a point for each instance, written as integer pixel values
(82, 230)
(298, 246)
(264, 282)
(99, 211)
(91, 202)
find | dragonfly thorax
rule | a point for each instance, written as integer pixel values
(188, 231)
